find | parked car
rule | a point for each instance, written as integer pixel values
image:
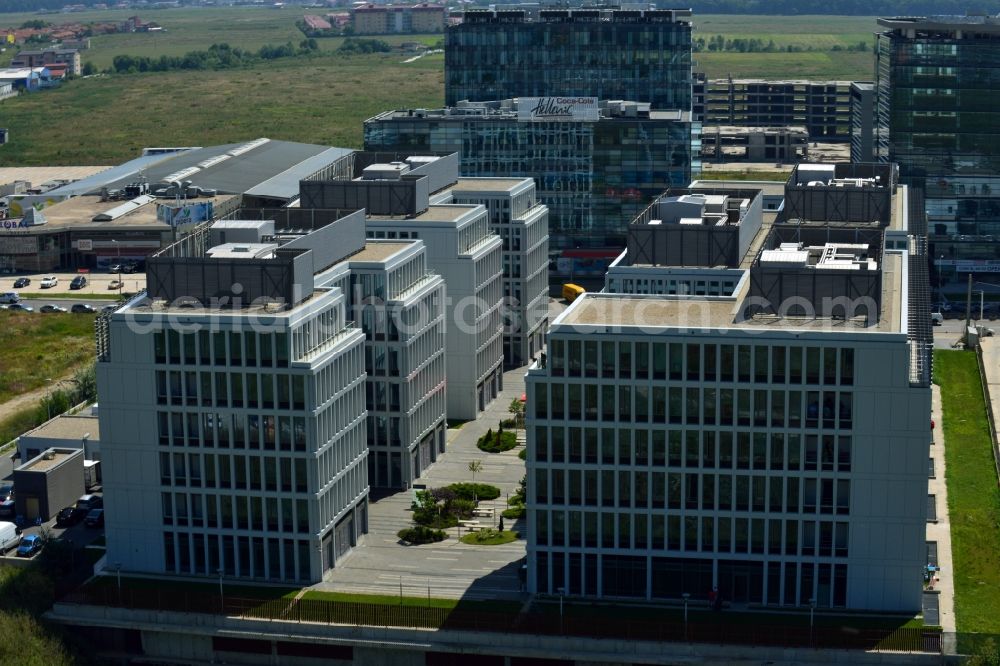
(6, 492)
(7, 509)
(29, 545)
(109, 308)
(79, 282)
(68, 516)
(937, 318)
(115, 284)
(130, 268)
(49, 281)
(82, 308)
(95, 518)
(10, 297)
(9, 533)
(52, 307)
(21, 283)
(20, 307)
(115, 268)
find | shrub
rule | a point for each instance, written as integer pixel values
(502, 441)
(514, 512)
(420, 534)
(476, 491)
(461, 508)
(523, 454)
(508, 423)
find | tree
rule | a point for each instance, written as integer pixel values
(475, 467)
(89, 69)
(517, 409)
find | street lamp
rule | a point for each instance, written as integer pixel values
(686, 595)
(812, 618)
(222, 594)
(561, 591)
(118, 263)
(981, 305)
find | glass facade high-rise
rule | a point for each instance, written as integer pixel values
(610, 54)
(937, 116)
(595, 175)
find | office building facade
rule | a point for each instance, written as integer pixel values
(594, 170)
(522, 224)
(682, 443)
(643, 55)
(937, 118)
(233, 420)
(399, 305)
(460, 247)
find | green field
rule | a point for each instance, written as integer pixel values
(41, 347)
(323, 98)
(973, 497)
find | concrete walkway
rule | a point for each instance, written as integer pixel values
(449, 569)
(991, 363)
(940, 531)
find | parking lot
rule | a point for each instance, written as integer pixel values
(97, 283)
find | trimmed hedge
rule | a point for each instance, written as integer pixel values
(479, 491)
(420, 534)
(489, 443)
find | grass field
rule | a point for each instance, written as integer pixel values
(973, 497)
(39, 347)
(322, 100)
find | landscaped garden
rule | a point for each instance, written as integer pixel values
(437, 509)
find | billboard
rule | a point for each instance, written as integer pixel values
(541, 109)
(185, 214)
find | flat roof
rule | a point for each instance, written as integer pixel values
(41, 464)
(376, 251)
(434, 213)
(481, 184)
(79, 212)
(767, 187)
(645, 312)
(69, 427)
(977, 24)
(43, 174)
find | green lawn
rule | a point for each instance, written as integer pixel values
(13, 424)
(973, 497)
(743, 175)
(147, 586)
(41, 347)
(814, 65)
(473, 539)
(321, 100)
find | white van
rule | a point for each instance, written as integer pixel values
(9, 536)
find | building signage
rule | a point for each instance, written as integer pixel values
(541, 109)
(8, 225)
(85, 245)
(185, 214)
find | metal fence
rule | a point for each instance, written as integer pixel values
(536, 621)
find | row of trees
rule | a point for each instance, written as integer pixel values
(718, 43)
(218, 56)
(354, 45)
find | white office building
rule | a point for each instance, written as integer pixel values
(522, 224)
(405, 200)
(399, 305)
(233, 420)
(770, 440)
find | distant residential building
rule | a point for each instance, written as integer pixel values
(389, 19)
(822, 107)
(613, 54)
(595, 164)
(862, 121)
(314, 22)
(7, 90)
(935, 88)
(25, 79)
(69, 57)
(683, 441)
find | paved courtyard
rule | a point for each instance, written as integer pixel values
(449, 569)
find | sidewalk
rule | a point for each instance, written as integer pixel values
(940, 531)
(991, 364)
